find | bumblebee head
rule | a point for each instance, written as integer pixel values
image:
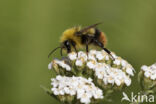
(67, 45)
(64, 45)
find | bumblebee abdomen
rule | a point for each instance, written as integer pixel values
(102, 38)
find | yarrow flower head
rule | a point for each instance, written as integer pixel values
(78, 88)
(86, 76)
(147, 77)
(149, 71)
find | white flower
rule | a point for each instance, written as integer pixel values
(67, 67)
(114, 55)
(93, 52)
(67, 90)
(58, 77)
(91, 64)
(147, 74)
(123, 63)
(149, 71)
(153, 76)
(130, 71)
(153, 66)
(100, 70)
(98, 94)
(111, 80)
(105, 80)
(82, 55)
(107, 57)
(127, 81)
(80, 92)
(99, 55)
(109, 73)
(62, 64)
(72, 56)
(55, 91)
(112, 75)
(117, 82)
(83, 88)
(50, 66)
(144, 68)
(91, 57)
(79, 62)
(99, 73)
(61, 92)
(90, 80)
(85, 99)
(117, 62)
(106, 73)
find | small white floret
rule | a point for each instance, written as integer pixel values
(130, 71)
(128, 81)
(99, 56)
(117, 62)
(144, 67)
(72, 56)
(50, 66)
(79, 63)
(91, 64)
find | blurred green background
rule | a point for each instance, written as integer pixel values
(30, 29)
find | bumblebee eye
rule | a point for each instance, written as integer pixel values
(67, 45)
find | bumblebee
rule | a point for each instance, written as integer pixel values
(77, 37)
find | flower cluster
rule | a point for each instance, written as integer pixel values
(147, 77)
(112, 75)
(110, 72)
(149, 71)
(81, 88)
(95, 65)
(100, 65)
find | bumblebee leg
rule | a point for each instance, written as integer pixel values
(87, 50)
(109, 53)
(74, 45)
(105, 49)
(76, 50)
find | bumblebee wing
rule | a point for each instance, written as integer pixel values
(87, 28)
(91, 26)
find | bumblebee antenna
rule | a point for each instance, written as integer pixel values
(91, 26)
(53, 51)
(61, 51)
